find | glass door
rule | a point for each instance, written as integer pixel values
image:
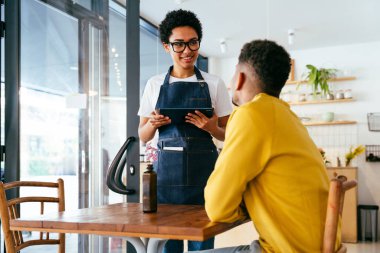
(52, 102)
(66, 115)
(50, 98)
(72, 106)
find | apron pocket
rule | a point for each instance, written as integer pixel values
(170, 169)
(200, 164)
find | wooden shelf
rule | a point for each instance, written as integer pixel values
(342, 168)
(338, 79)
(322, 101)
(343, 122)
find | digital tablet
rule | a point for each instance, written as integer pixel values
(177, 115)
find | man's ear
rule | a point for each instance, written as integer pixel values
(240, 80)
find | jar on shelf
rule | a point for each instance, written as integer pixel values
(347, 93)
(339, 94)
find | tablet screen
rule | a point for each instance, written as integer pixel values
(177, 115)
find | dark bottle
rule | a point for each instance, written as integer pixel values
(149, 182)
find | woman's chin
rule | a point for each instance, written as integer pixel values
(187, 64)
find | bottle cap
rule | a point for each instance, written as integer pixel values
(149, 167)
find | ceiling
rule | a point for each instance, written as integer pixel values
(321, 23)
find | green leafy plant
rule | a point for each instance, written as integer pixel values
(318, 79)
(354, 153)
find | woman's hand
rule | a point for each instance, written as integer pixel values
(148, 125)
(157, 120)
(201, 121)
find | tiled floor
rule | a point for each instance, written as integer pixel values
(366, 247)
(72, 247)
(363, 247)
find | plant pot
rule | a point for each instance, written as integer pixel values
(328, 117)
(329, 96)
(314, 97)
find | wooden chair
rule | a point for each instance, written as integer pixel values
(9, 210)
(338, 186)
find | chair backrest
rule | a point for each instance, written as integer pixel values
(338, 186)
(9, 209)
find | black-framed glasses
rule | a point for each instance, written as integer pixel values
(180, 46)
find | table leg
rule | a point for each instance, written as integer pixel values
(161, 246)
(147, 245)
(155, 245)
(137, 243)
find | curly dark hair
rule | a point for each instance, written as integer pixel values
(179, 18)
(271, 63)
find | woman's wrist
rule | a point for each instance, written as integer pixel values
(218, 133)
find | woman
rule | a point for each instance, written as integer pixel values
(186, 152)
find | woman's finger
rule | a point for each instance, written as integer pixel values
(201, 115)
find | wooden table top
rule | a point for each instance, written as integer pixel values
(185, 222)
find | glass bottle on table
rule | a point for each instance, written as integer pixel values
(149, 182)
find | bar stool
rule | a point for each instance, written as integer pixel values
(367, 217)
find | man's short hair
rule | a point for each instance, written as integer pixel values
(176, 19)
(271, 63)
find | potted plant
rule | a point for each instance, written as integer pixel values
(353, 153)
(318, 79)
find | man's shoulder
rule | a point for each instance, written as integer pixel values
(265, 103)
(255, 106)
(255, 111)
(247, 112)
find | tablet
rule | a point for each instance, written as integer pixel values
(177, 115)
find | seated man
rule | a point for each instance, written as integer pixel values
(269, 166)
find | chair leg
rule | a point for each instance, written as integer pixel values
(363, 218)
(373, 223)
(62, 244)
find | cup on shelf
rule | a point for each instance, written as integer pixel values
(339, 94)
(328, 116)
(347, 94)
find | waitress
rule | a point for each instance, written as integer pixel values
(186, 153)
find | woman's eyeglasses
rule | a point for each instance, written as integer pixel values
(180, 46)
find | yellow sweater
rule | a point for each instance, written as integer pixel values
(271, 163)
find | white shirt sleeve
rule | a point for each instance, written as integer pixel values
(223, 103)
(146, 101)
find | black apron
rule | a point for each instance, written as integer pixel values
(186, 153)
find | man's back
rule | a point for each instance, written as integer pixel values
(269, 158)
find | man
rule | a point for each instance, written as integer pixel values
(269, 166)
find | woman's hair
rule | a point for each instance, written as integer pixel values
(271, 63)
(179, 18)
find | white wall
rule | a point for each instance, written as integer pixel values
(359, 60)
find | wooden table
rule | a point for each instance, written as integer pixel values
(147, 232)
